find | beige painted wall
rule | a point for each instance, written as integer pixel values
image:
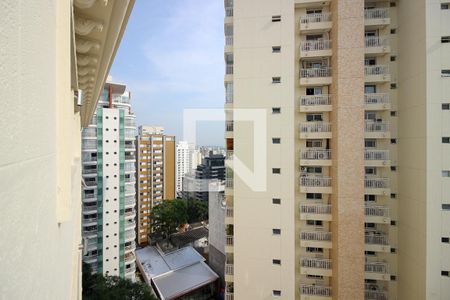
(40, 154)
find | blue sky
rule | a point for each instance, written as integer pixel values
(171, 58)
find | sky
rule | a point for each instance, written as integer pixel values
(171, 59)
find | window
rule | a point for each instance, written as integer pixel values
(276, 231)
(445, 173)
(313, 196)
(393, 223)
(276, 110)
(370, 143)
(445, 5)
(314, 144)
(393, 250)
(393, 168)
(446, 140)
(276, 201)
(276, 141)
(313, 91)
(314, 118)
(446, 106)
(314, 223)
(276, 171)
(276, 261)
(445, 73)
(393, 141)
(276, 18)
(393, 86)
(393, 113)
(276, 293)
(276, 79)
(372, 253)
(276, 49)
(393, 196)
(314, 250)
(393, 31)
(312, 11)
(393, 58)
(445, 206)
(370, 171)
(445, 240)
(445, 39)
(393, 277)
(393, 4)
(314, 276)
(445, 273)
(370, 198)
(312, 170)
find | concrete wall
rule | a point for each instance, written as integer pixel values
(40, 166)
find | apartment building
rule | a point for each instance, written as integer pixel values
(44, 46)
(109, 185)
(357, 108)
(156, 174)
(183, 162)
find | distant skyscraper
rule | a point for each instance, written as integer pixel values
(109, 193)
(183, 157)
(156, 174)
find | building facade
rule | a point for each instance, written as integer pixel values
(356, 99)
(109, 185)
(43, 46)
(156, 174)
(183, 162)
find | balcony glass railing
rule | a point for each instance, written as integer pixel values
(376, 13)
(315, 18)
(376, 98)
(376, 41)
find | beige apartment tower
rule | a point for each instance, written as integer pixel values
(156, 174)
(357, 197)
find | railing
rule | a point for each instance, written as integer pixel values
(315, 45)
(376, 41)
(317, 263)
(376, 182)
(130, 202)
(228, 11)
(376, 154)
(315, 18)
(229, 269)
(129, 168)
(376, 13)
(311, 100)
(229, 182)
(314, 181)
(130, 213)
(229, 154)
(229, 126)
(229, 296)
(229, 212)
(90, 182)
(229, 69)
(315, 127)
(89, 171)
(376, 70)
(129, 256)
(315, 72)
(318, 154)
(376, 211)
(315, 290)
(130, 235)
(130, 189)
(89, 144)
(121, 99)
(315, 236)
(89, 132)
(130, 157)
(89, 196)
(130, 247)
(375, 98)
(130, 133)
(376, 239)
(229, 40)
(319, 209)
(89, 220)
(376, 267)
(375, 295)
(372, 126)
(229, 240)
(130, 122)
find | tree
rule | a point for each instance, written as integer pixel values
(97, 287)
(168, 215)
(197, 210)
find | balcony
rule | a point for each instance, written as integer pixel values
(130, 214)
(229, 215)
(315, 184)
(229, 244)
(377, 242)
(129, 258)
(90, 132)
(315, 76)
(377, 130)
(89, 145)
(130, 236)
(315, 103)
(317, 239)
(315, 130)
(377, 73)
(377, 101)
(130, 247)
(315, 266)
(315, 292)
(377, 45)
(315, 22)
(229, 128)
(229, 69)
(130, 134)
(376, 158)
(377, 271)
(90, 221)
(377, 214)
(315, 157)
(315, 212)
(375, 295)
(229, 270)
(130, 122)
(376, 185)
(315, 48)
(376, 17)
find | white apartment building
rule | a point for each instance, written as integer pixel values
(109, 185)
(183, 162)
(357, 101)
(49, 51)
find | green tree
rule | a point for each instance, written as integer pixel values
(168, 215)
(197, 210)
(97, 287)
